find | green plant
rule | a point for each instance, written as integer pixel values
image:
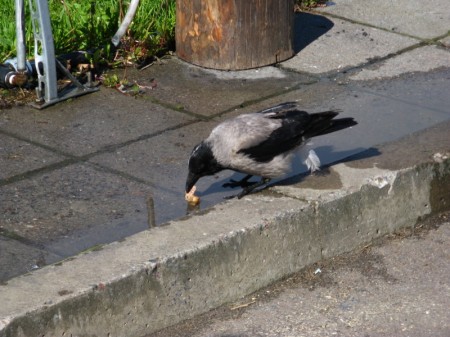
(89, 25)
(83, 25)
(308, 4)
(110, 80)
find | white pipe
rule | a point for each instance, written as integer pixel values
(125, 23)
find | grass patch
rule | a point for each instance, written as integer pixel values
(89, 25)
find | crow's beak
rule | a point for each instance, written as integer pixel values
(191, 180)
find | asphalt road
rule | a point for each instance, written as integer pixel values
(397, 286)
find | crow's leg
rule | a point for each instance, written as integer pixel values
(241, 183)
(250, 188)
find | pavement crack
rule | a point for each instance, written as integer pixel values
(375, 60)
(119, 173)
(263, 98)
(74, 159)
(38, 171)
(35, 143)
(353, 21)
(177, 108)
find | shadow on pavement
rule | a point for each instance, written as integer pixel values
(308, 28)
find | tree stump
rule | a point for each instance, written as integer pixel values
(234, 34)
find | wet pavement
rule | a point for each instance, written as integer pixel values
(106, 165)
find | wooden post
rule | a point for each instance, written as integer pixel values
(234, 34)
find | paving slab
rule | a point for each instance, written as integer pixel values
(18, 258)
(345, 45)
(204, 92)
(74, 203)
(414, 18)
(17, 157)
(88, 125)
(421, 59)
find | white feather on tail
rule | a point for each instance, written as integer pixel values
(312, 162)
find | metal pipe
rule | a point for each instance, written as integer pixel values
(20, 36)
(47, 88)
(125, 23)
(14, 71)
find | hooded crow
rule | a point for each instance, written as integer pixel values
(261, 144)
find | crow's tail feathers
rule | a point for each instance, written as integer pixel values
(322, 123)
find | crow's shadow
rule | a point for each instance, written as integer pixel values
(364, 153)
(325, 151)
(308, 28)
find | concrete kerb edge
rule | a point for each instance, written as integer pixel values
(148, 281)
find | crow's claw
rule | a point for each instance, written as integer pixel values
(238, 183)
(243, 183)
(249, 189)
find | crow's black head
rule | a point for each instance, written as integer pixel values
(201, 163)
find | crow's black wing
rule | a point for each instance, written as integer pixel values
(285, 138)
(280, 108)
(296, 127)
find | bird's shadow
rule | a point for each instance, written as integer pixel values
(308, 28)
(298, 175)
(325, 169)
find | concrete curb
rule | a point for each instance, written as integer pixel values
(165, 275)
